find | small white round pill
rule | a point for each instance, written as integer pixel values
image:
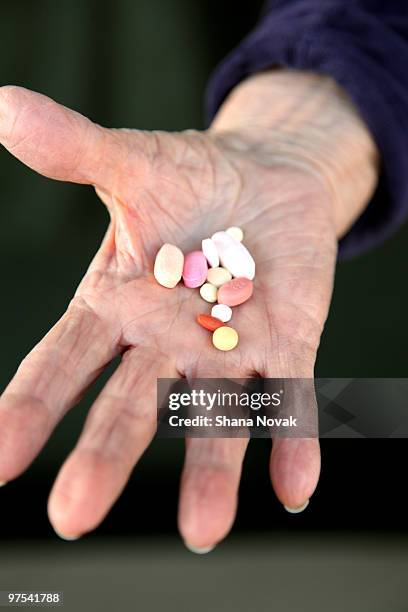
(208, 292)
(236, 233)
(221, 312)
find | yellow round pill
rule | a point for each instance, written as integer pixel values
(225, 338)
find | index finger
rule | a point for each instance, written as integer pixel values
(48, 382)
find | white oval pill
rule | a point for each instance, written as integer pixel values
(210, 253)
(236, 233)
(218, 276)
(168, 265)
(208, 292)
(234, 255)
(221, 312)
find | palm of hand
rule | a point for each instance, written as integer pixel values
(168, 188)
(191, 187)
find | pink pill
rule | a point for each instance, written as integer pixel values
(195, 269)
(236, 291)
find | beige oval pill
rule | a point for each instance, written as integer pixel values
(225, 338)
(208, 292)
(168, 265)
(236, 233)
(218, 276)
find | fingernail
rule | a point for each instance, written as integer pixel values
(3, 482)
(199, 551)
(298, 509)
(66, 536)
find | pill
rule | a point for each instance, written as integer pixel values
(234, 256)
(208, 292)
(195, 269)
(209, 322)
(236, 233)
(237, 291)
(168, 265)
(225, 338)
(218, 276)
(221, 312)
(210, 253)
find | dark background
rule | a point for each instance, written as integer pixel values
(145, 64)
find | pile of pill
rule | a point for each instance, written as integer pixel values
(223, 270)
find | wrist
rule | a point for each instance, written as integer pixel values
(305, 120)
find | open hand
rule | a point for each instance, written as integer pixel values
(178, 188)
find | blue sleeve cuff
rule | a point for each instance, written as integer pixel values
(366, 52)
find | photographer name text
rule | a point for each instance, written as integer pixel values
(224, 421)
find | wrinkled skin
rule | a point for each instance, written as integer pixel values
(177, 188)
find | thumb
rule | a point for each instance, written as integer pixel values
(54, 140)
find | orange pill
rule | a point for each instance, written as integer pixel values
(209, 322)
(237, 291)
